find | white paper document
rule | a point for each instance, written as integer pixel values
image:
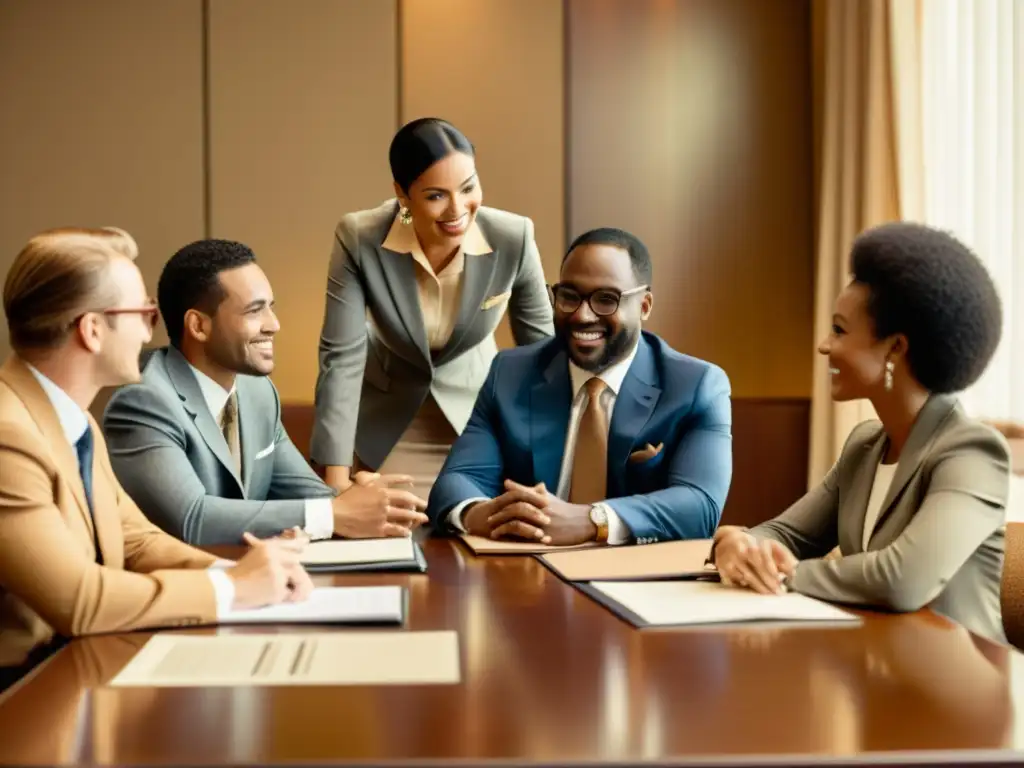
(674, 603)
(331, 605)
(352, 551)
(314, 658)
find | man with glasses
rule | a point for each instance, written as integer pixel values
(602, 434)
(77, 556)
(199, 442)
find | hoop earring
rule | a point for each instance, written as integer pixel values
(405, 216)
(890, 366)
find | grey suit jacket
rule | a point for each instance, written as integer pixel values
(376, 368)
(938, 540)
(170, 456)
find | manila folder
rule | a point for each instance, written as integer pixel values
(314, 658)
(683, 603)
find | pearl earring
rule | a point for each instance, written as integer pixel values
(890, 366)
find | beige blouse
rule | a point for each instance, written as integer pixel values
(879, 489)
(438, 292)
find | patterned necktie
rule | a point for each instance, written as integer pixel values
(85, 451)
(229, 427)
(590, 461)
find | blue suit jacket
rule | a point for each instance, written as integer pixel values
(518, 426)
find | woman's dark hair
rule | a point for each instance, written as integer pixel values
(927, 285)
(420, 144)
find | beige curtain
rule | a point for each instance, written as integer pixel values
(866, 110)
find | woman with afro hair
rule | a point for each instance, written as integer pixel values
(913, 512)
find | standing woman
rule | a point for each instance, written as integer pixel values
(415, 290)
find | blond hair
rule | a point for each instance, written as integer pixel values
(60, 275)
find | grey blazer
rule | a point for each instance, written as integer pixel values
(376, 369)
(170, 456)
(938, 541)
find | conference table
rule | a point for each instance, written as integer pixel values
(551, 677)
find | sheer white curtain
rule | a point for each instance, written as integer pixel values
(972, 131)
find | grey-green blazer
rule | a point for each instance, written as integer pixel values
(376, 369)
(170, 456)
(938, 540)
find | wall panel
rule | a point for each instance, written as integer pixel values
(690, 125)
(101, 123)
(302, 108)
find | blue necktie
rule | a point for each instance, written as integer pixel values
(84, 447)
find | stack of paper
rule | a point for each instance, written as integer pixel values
(681, 603)
(337, 555)
(645, 562)
(351, 658)
(331, 605)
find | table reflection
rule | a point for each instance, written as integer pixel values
(903, 682)
(51, 717)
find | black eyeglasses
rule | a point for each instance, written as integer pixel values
(603, 301)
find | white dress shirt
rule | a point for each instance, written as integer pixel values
(879, 488)
(613, 376)
(74, 422)
(319, 522)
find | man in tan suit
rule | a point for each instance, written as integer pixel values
(76, 555)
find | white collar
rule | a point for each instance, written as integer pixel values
(612, 376)
(214, 394)
(73, 419)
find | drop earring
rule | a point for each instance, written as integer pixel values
(405, 216)
(890, 366)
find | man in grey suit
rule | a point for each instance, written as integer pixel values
(199, 443)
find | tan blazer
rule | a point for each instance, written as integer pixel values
(50, 582)
(939, 537)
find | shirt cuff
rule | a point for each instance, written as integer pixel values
(455, 516)
(618, 531)
(319, 518)
(223, 590)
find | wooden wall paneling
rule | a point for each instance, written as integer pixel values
(302, 109)
(101, 123)
(690, 125)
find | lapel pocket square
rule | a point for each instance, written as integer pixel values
(645, 454)
(265, 452)
(495, 300)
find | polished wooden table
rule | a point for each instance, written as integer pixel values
(551, 677)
